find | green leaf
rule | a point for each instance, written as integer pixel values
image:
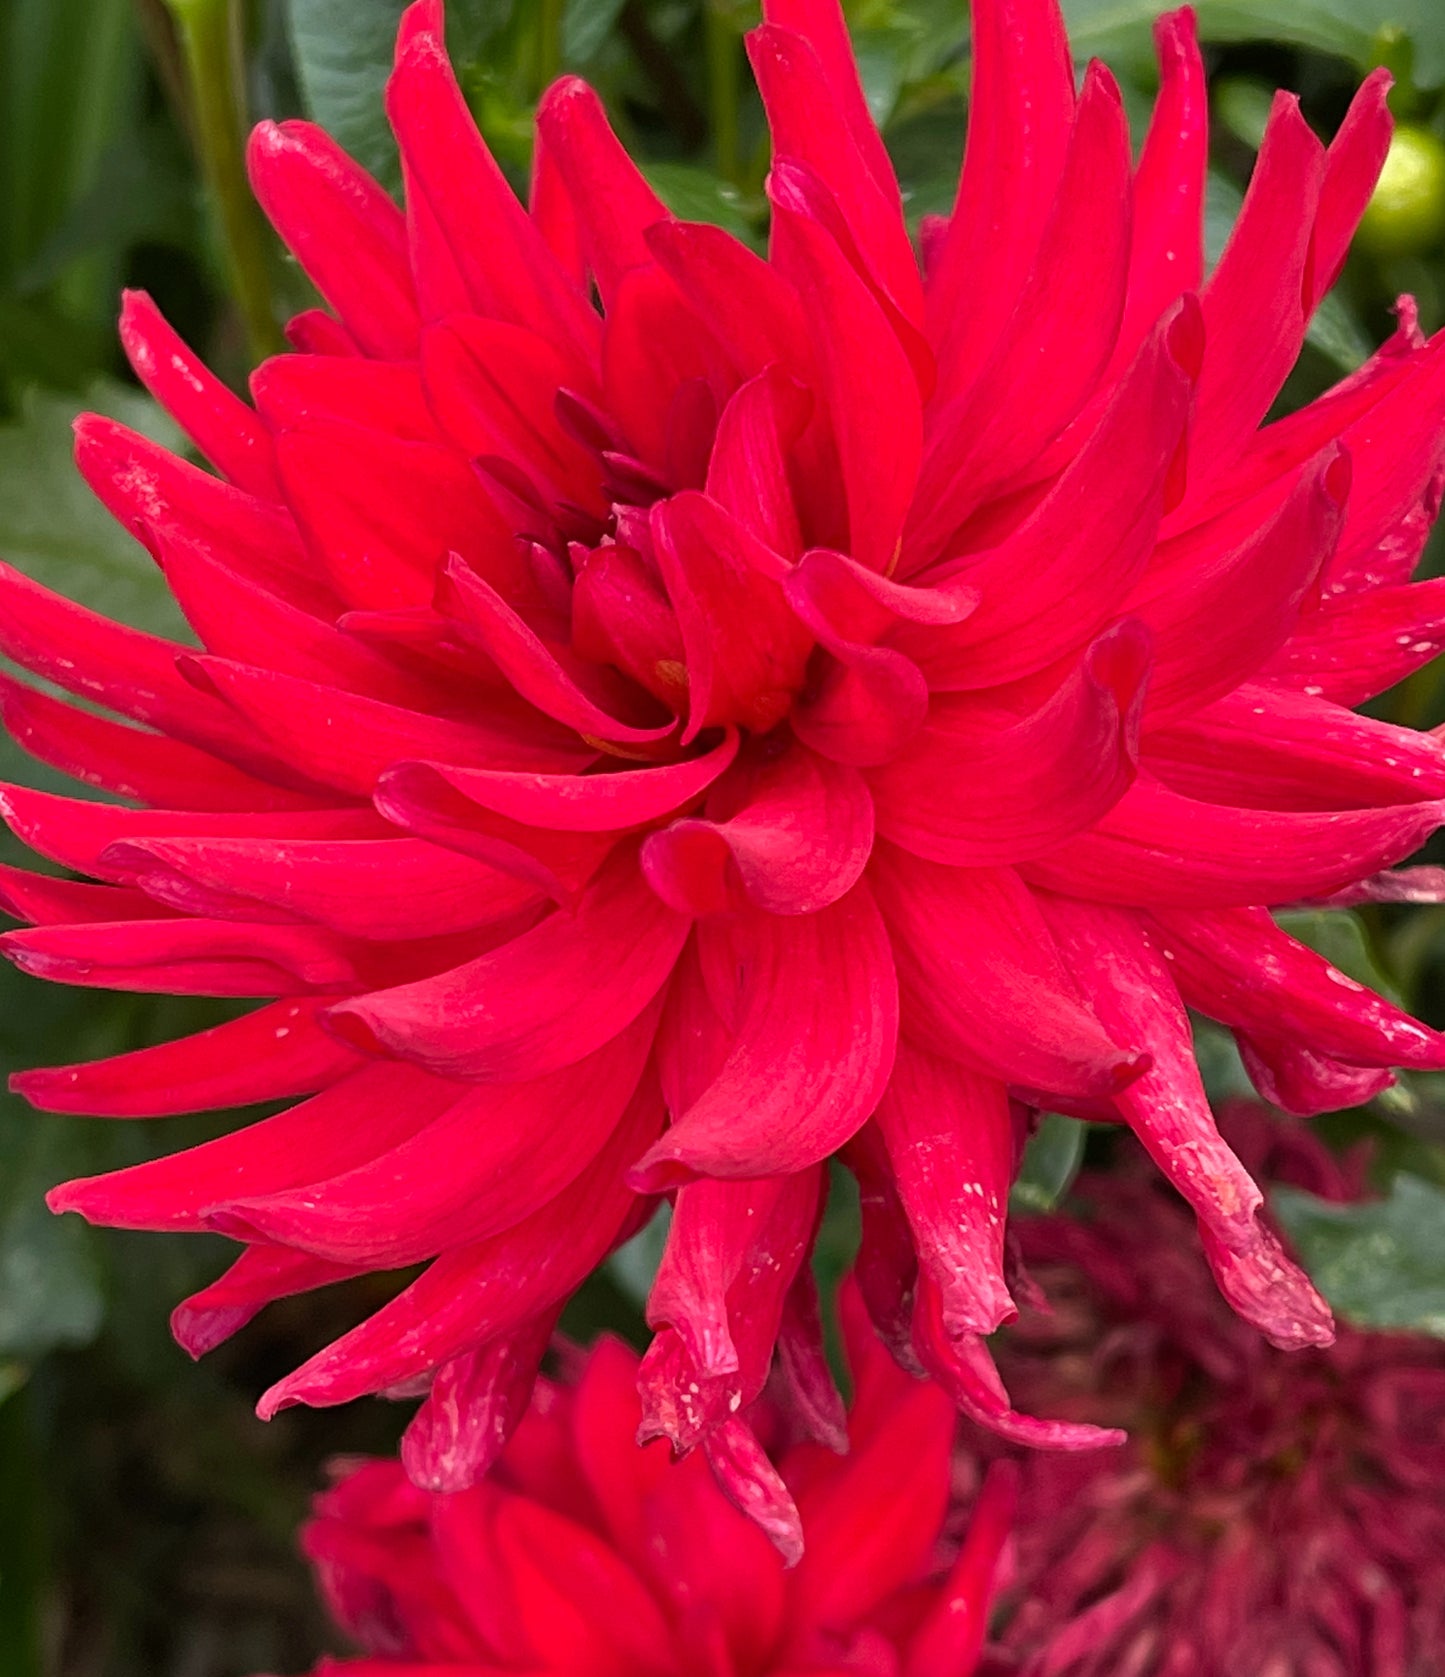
(1051, 1162)
(699, 195)
(50, 1290)
(1380, 1263)
(1339, 935)
(633, 1265)
(53, 528)
(586, 24)
(1344, 28)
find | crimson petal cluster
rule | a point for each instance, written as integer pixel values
(584, 1557)
(666, 716)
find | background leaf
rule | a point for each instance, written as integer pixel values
(1380, 1263)
(54, 529)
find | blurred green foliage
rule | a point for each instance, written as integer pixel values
(149, 1518)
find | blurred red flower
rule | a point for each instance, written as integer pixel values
(1271, 1515)
(584, 1557)
(666, 716)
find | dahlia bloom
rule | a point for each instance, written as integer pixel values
(584, 1557)
(666, 716)
(1271, 1514)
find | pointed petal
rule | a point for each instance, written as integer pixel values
(798, 842)
(1239, 967)
(499, 255)
(613, 203)
(474, 1406)
(981, 980)
(950, 1138)
(1129, 979)
(272, 1054)
(880, 441)
(488, 1161)
(1158, 848)
(342, 228)
(965, 1370)
(1058, 579)
(385, 888)
(476, 1293)
(1033, 780)
(345, 740)
(219, 423)
(1168, 253)
(538, 1003)
(260, 1276)
(815, 1044)
(357, 1118)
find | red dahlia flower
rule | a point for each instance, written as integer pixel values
(665, 716)
(1271, 1516)
(584, 1557)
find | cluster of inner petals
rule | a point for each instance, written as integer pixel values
(667, 715)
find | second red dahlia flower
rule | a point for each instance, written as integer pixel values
(584, 1557)
(666, 715)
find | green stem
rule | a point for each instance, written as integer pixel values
(210, 44)
(724, 88)
(549, 41)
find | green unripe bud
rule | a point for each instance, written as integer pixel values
(1406, 214)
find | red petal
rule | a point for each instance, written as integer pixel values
(381, 513)
(818, 1023)
(1134, 992)
(1034, 780)
(980, 979)
(880, 441)
(344, 230)
(1049, 357)
(345, 740)
(272, 1054)
(799, 841)
(494, 1156)
(500, 256)
(538, 1003)
(1254, 302)
(386, 888)
(537, 671)
(1062, 574)
(964, 1368)
(134, 764)
(1157, 848)
(475, 1293)
(614, 205)
(218, 422)
(1237, 966)
(754, 1487)
(261, 1275)
(1168, 255)
(474, 1405)
(950, 1137)
(357, 1118)
(1259, 583)
(1270, 749)
(189, 957)
(1019, 121)
(1352, 167)
(814, 120)
(745, 648)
